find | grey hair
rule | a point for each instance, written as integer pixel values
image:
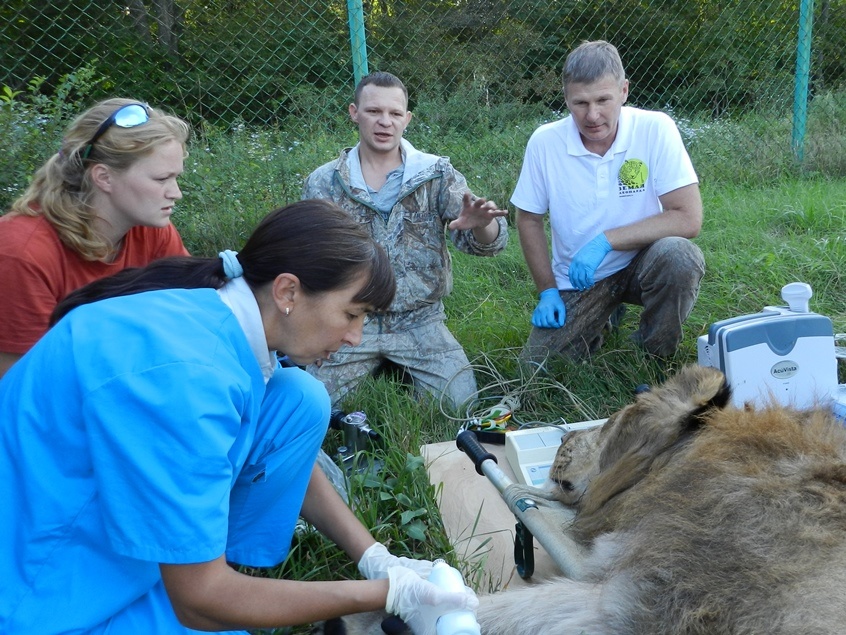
(591, 61)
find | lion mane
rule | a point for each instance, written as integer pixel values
(694, 517)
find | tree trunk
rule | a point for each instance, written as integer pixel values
(818, 70)
(167, 20)
(140, 19)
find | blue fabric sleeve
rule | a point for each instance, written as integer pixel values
(162, 458)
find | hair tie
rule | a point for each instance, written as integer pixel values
(231, 265)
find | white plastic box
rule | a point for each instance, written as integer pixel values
(531, 451)
(783, 353)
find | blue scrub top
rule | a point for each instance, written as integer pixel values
(121, 434)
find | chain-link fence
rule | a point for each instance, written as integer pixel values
(280, 61)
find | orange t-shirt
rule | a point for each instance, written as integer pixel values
(37, 270)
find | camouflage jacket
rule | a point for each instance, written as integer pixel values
(415, 234)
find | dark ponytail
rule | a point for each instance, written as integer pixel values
(313, 239)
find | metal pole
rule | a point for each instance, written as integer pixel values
(358, 45)
(803, 72)
(543, 518)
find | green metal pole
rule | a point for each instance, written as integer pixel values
(803, 72)
(358, 45)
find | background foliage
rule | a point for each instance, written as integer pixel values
(268, 61)
(723, 69)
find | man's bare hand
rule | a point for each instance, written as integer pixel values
(476, 213)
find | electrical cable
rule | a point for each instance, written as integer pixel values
(496, 406)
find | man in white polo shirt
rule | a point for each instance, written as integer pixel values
(623, 202)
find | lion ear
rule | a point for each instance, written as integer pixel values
(709, 391)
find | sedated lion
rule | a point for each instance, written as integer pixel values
(694, 517)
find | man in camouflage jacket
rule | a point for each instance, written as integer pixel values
(408, 200)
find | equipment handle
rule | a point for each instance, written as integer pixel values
(336, 419)
(524, 550)
(469, 444)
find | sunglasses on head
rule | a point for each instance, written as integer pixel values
(127, 116)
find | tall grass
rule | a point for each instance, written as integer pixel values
(767, 223)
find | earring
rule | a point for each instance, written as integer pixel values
(287, 310)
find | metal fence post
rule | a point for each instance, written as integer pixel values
(269, 63)
(358, 44)
(803, 66)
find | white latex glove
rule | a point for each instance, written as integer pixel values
(376, 561)
(420, 603)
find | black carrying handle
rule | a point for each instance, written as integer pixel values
(524, 551)
(469, 444)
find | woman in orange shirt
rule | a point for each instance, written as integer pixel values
(101, 204)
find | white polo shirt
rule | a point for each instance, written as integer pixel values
(586, 194)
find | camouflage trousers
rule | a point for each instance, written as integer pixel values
(663, 278)
(429, 354)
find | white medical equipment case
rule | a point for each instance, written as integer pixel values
(784, 354)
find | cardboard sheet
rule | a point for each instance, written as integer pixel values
(477, 521)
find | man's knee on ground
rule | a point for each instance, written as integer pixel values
(536, 354)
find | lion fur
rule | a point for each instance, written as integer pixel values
(696, 518)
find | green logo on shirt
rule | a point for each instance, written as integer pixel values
(633, 173)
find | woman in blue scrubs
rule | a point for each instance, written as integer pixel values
(151, 438)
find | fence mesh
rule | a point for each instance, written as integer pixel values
(466, 62)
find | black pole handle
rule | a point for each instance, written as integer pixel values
(469, 444)
(524, 551)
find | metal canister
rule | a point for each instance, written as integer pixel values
(356, 431)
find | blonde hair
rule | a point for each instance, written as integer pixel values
(62, 189)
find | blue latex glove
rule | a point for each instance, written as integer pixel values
(586, 260)
(550, 312)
